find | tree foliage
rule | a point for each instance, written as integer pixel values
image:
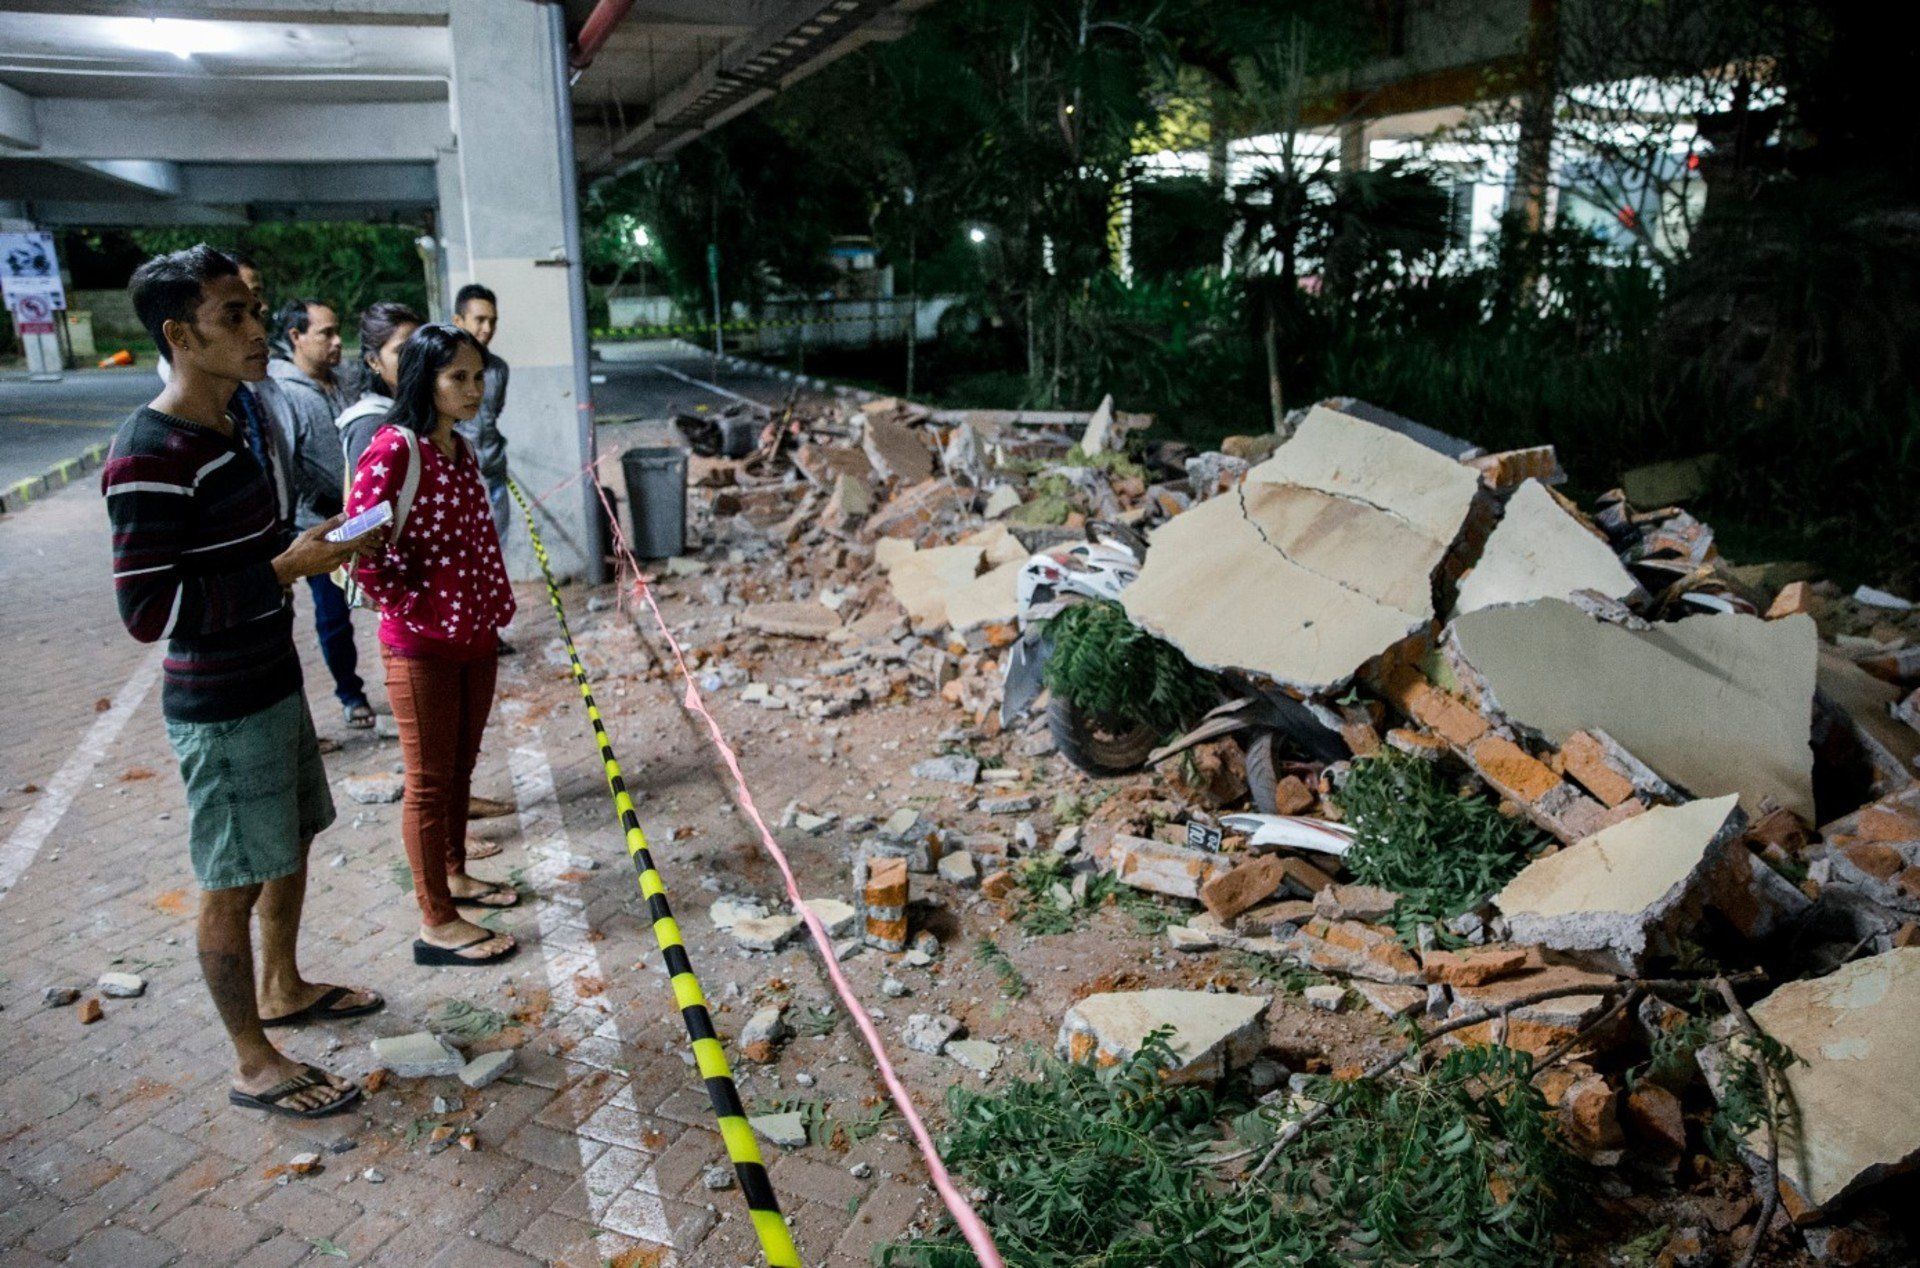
(347, 264)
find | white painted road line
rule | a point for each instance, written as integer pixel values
(705, 386)
(32, 832)
(620, 1202)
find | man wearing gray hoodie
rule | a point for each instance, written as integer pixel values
(305, 400)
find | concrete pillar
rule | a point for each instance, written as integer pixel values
(514, 153)
(1356, 148)
(450, 225)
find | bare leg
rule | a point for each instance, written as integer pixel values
(226, 961)
(282, 989)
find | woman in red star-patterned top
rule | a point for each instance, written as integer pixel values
(443, 593)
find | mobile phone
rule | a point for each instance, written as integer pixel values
(376, 516)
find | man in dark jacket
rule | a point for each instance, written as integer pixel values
(476, 311)
(304, 397)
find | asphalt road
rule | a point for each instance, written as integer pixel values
(42, 424)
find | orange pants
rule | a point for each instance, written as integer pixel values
(442, 707)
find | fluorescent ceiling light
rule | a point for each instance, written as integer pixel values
(179, 36)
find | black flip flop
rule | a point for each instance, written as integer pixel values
(323, 1009)
(310, 1076)
(426, 953)
(478, 900)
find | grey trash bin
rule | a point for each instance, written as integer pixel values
(656, 499)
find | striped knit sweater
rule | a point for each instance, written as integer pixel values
(195, 532)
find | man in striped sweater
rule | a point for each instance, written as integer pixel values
(201, 558)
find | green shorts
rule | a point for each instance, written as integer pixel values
(256, 789)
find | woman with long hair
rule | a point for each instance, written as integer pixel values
(385, 327)
(443, 593)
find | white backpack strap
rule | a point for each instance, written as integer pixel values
(409, 483)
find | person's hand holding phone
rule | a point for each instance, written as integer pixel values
(312, 554)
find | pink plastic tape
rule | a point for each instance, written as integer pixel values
(969, 1222)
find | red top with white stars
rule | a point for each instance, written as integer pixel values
(442, 586)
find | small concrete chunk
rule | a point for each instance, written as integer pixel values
(1160, 868)
(760, 1037)
(951, 768)
(725, 913)
(718, 1178)
(486, 1068)
(838, 917)
(765, 933)
(1211, 1033)
(789, 1131)
(122, 985)
(958, 869)
(59, 996)
(373, 790)
(930, 1032)
(421, 1055)
(1328, 997)
(975, 1054)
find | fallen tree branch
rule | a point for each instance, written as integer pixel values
(1627, 986)
(1770, 1202)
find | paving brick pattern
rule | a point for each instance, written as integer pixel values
(116, 1142)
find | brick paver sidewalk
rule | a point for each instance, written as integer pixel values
(116, 1143)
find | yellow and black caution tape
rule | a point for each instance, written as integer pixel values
(686, 329)
(776, 1240)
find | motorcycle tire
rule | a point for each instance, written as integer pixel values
(1095, 749)
(1262, 777)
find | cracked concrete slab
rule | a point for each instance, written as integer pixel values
(1719, 703)
(1620, 889)
(1328, 551)
(1348, 457)
(1854, 1093)
(924, 580)
(1540, 551)
(992, 596)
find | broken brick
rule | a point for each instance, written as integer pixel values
(1794, 598)
(1230, 893)
(1473, 967)
(886, 882)
(1455, 722)
(1355, 950)
(1162, 868)
(1291, 796)
(1654, 1119)
(1303, 877)
(90, 1011)
(1585, 761)
(1511, 769)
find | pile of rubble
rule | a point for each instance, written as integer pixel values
(1721, 761)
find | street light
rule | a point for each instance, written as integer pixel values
(976, 235)
(641, 238)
